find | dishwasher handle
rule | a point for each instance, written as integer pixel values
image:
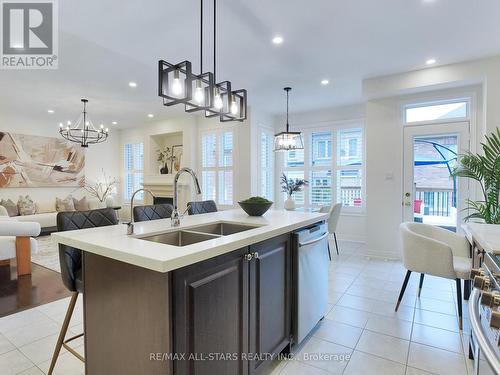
(301, 244)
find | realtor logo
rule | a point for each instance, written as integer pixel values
(29, 34)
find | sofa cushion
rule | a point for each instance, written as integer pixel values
(26, 205)
(3, 211)
(63, 205)
(81, 205)
(46, 220)
(8, 247)
(10, 206)
(44, 207)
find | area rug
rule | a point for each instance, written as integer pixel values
(48, 254)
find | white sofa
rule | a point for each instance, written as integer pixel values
(47, 220)
(16, 241)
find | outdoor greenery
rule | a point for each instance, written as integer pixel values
(485, 169)
(292, 185)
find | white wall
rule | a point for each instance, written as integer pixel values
(352, 226)
(105, 156)
(384, 134)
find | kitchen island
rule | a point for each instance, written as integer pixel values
(212, 296)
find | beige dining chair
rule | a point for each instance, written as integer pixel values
(435, 251)
(333, 220)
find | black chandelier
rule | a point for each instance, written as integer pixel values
(83, 131)
(287, 140)
(178, 85)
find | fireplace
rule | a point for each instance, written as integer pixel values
(163, 200)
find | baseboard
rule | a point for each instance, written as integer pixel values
(358, 239)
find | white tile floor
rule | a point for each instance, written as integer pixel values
(361, 333)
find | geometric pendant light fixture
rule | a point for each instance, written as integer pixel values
(177, 84)
(287, 140)
(83, 131)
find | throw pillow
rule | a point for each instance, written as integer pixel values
(66, 204)
(81, 205)
(45, 207)
(26, 205)
(3, 211)
(11, 207)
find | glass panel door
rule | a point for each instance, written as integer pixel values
(431, 195)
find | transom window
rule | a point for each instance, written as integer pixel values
(441, 111)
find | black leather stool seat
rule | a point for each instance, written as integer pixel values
(202, 207)
(153, 212)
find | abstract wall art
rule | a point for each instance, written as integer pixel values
(33, 161)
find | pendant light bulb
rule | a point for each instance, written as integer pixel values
(176, 84)
(199, 95)
(217, 100)
(234, 107)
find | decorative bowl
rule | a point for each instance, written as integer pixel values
(255, 209)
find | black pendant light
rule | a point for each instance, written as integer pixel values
(287, 140)
(83, 131)
(178, 85)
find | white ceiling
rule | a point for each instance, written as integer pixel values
(104, 44)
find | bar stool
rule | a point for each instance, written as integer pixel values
(70, 260)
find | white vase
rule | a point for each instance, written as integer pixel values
(101, 204)
(110, 202)
(290, 204)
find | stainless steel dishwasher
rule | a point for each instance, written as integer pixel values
(310, 263)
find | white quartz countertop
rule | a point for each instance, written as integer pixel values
(486, 235)
(113, 241)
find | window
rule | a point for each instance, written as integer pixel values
(133, 157)
(332, 161)
(349, 167)
(450, 110)
(266, 164)
(217, 166)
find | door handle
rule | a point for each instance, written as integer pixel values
(313, 241)
(248, 257)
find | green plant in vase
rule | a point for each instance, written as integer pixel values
(485, 169)
(291, 186)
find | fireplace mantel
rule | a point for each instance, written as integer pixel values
(163, 186)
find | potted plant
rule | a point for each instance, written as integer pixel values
(102, 190)
(485, 169)
(290, 186)
(164, 156)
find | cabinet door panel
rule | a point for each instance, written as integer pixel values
(211, 315)
(269, 299)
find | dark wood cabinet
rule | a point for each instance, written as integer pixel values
(270, 304)
(237, 304)
(211, 315)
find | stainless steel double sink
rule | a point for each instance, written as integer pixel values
(192, 235)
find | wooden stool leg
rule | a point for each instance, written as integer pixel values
(23, 256)
(64, 329)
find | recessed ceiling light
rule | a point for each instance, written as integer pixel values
(430, 61)
(51, 111)
(150, 115)
(132, 84)
(278, 39)
(325, 82)
(114, 122)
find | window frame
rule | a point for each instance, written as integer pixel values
(269, 169)
(334, 167)
(218, 133)
(430, 103)
(132, 171)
